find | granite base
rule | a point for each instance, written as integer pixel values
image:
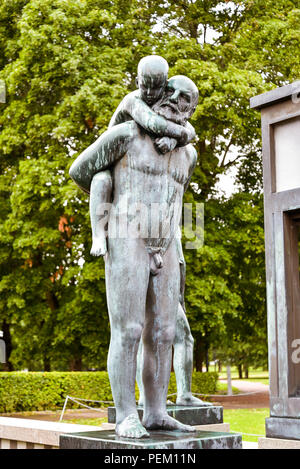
(277, 443)
(158, 440)
(204, 415)
(283, 427)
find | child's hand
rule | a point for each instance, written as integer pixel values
(187, 135)
(184, 138)
(165, 144)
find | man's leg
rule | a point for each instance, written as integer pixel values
(100, 198)
(158, 337)
(127, 276)
(139, 372)
(183, 362)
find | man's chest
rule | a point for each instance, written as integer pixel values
(143, 157)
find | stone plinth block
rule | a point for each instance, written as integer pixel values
(15, 432)
(107, 439)
(283, 427)
(278, 443)
(204, 415)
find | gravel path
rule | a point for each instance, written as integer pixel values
(254, 395)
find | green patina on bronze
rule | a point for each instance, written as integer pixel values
(133, 160)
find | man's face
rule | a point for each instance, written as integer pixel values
(179, 100)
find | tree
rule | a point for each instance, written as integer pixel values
(66, 66)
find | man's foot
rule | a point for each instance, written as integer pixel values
(99, 247)
(192, 401)
(131, 427)
(165, 422)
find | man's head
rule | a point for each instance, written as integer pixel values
(179, 100)
(152, 78)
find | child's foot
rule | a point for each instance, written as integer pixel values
(99, 247)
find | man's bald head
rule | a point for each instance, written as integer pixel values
(179, 100)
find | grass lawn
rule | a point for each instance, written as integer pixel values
(222, 389)
(250, 421)
(97, 422)
(258, 380)
(255, 375)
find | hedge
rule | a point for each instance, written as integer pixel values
(31, 391)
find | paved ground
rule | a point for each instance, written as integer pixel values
(253, 395)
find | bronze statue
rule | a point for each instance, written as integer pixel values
(148, 163)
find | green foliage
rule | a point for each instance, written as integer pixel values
(202, 383)
(21, 392)
(40, 391)
(67, 65)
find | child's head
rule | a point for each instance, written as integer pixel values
(152, 77)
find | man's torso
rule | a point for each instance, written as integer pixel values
(154, 183)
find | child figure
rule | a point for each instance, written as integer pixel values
(151, 81)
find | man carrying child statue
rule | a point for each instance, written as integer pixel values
(145, 157)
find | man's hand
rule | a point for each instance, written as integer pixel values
(165, 144)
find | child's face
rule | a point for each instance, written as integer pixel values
(151, 87)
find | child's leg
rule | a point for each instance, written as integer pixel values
(100, 198)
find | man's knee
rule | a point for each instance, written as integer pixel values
(162, 335)
(128, 333)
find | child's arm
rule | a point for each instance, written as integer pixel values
(166, 144)
(132, 105)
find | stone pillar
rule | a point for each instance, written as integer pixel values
(280, 116)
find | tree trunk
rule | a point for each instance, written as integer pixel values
(240, 370)
(76, 364)
(246, 370)
(199, 353)
(8, 346)
(229, 383)
(47, 366)
(206, 357)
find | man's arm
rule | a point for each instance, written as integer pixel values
(182, 266)
(192, 153)
(193, 156)
(102, 154)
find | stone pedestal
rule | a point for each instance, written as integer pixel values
(283, 427)
(277, 443)
(280, 119)
(158, 440)
(204, 415)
